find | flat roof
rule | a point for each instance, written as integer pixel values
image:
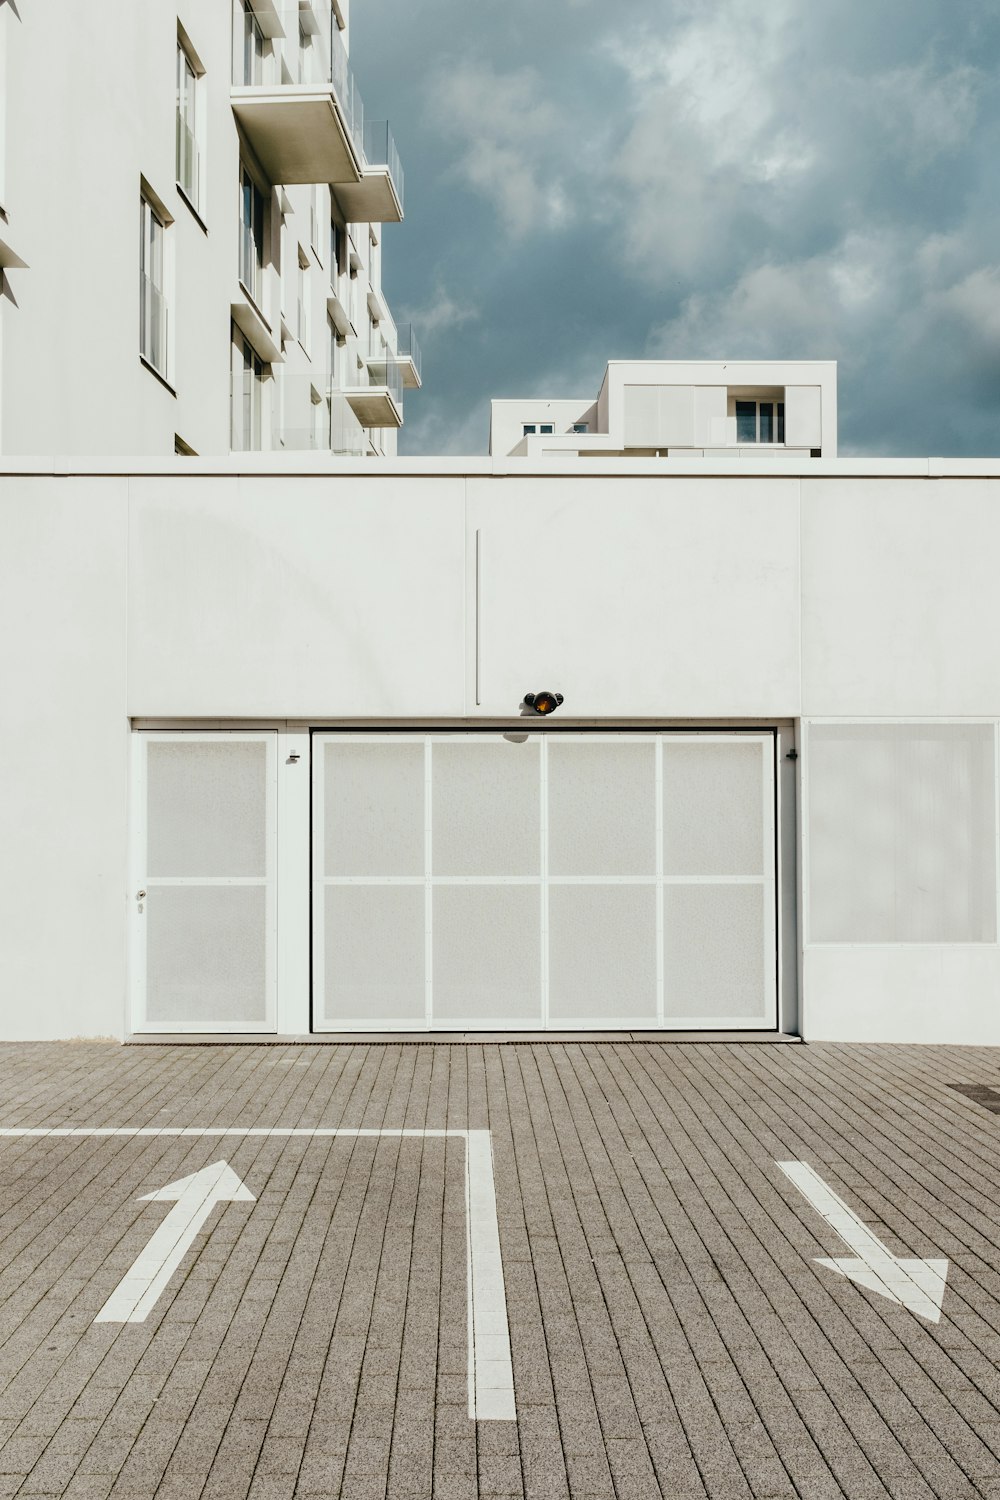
(312, 465)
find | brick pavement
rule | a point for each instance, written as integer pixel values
(671, 1333)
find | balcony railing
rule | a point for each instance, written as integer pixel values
(376, 395)
(153, 324)
(380, 151)
(246, 424)
(310, 422)
(188, 161)
(408, 355)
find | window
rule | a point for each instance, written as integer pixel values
(334, 339)
(251, 234)
(581, 426)
(152, 301)
(188, 156)
(246, 407)
(541, 427)
(755, 421)
(303, 299)
(338, 250)
(251, 69)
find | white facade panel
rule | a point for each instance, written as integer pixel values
(265, 598)
(710, 416)
(649, 598)
(803, 416)
(900, 605)
(63, 758)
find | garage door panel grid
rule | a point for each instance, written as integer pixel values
(581, 881)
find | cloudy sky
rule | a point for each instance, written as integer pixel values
(696, 178)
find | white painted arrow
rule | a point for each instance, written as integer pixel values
(916, 1284)
(194, 1198)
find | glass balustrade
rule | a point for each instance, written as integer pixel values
(304, 48)
(153, 324)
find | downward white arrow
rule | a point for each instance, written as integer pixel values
(194, 1198)
(916, 1284)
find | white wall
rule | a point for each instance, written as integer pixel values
(63, 758)
(296, 598)
(323, 598)
(643, 597)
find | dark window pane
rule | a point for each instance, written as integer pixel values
(781, 421)
(767, 421)
(746, 421)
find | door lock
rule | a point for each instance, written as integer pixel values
(140, 896)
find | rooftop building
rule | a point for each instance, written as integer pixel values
(681, 408)
(191, 242)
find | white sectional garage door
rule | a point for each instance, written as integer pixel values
(555, 879)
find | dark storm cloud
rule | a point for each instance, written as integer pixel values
(693, 178)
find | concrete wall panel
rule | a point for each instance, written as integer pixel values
(664, 598)
(63, 758)
(900, 605)
(286, 598)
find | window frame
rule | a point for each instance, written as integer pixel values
(189, 118)
(154, 321)
(247, 365)
(253, 228)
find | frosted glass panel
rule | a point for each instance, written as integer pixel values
(713, 942)
(487, 953)
(901, 833)
(206, 805)
(602, 952)
(205, 955)
(486, 807)
(374, 953)
(602, 807)
(374, 808)
(713, 820)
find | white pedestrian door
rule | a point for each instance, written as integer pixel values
(204, 901)
(487, 881)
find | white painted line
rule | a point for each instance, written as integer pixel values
(491, 1375)
(490, 1368)
(915, 1284)
(194, 1198)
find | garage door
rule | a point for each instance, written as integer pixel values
(493, 881)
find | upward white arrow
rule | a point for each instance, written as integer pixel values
(194, 1198)
(916, 1284)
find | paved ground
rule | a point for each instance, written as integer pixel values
(671, 1331)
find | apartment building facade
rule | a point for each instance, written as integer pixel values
(191, 243)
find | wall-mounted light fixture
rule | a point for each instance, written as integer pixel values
(543, 703)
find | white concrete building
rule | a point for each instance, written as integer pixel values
(682, 408)
(268, 772)
(191, 242)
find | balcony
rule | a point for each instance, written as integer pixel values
(408, 357)
(378, 197)
(315, 420)
(379, 403)
(294, 94)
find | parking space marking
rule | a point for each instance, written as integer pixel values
(193, 1198)
(491, 1374)
(916, 1284)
